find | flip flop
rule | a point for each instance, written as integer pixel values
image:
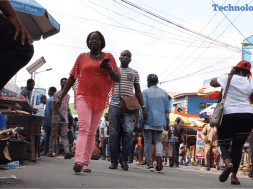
(225, 173)
(86, 169)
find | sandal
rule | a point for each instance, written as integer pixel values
(226, 172)
(235, 181)
(78, 167)
(86, 169)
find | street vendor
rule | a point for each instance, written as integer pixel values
(210, 136)
(26, 92)
(16, 48)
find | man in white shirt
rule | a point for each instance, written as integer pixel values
(104, 138)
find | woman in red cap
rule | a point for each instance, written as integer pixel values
(237, 121)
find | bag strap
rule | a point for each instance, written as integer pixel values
(119, 91)
(228, 84)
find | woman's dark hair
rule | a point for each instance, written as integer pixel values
(100, 36)
(245, 72)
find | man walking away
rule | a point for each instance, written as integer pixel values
(129, 80)
(16, 48)
(157, 105)
(48, 113)
(104, 139)
(210, 136)
(179, 135)
(60, 122)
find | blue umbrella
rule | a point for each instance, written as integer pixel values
(35, 18)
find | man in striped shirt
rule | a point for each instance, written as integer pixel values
(129, 81)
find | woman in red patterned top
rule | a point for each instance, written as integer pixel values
(93, 83)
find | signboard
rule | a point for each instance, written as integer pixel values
(200, 145)
(72, 109)
(38, 92)
(248, 55)
(36, 65)
(182, 111)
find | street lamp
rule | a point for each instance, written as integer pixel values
(49, 69)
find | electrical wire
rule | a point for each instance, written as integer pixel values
(148, 55)
(233, 24)
(181, 19)
(175, 24)
(205, 49)
(220, 62)
(127, 28)
(195, 49)
(138, 22)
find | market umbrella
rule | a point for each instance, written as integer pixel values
(212, 93)
(35, 19)
(183, 120)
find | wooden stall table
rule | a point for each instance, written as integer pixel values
(31, 123)
(32, 127)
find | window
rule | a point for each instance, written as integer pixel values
(209, 104)
(202, 105)
(177, 104)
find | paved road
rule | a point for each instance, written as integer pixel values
(58, 173)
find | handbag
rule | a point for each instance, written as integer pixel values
(129, 104)
(217, 116)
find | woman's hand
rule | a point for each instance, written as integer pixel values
(106, 66)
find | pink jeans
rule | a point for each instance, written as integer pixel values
(88, 123)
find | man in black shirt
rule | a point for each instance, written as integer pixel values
(179, 134)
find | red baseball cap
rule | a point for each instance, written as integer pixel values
(244, 64)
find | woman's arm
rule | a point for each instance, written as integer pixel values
(70, 82)
(114, 75)
(214, 83)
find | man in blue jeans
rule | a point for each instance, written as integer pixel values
(48, 113)
(157, 105)
(129, 81)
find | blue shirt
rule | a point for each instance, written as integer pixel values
(157, 105)
(48, 111)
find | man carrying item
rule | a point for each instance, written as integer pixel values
(16, 48)
(60, 122)
(129, 80)
(27, 92)
(179, 135)
(210, 136)
(48, 113)
(157, 105)
(104, 138)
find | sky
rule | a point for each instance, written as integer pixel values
(157, 46)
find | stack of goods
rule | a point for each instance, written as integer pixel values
(10, 134)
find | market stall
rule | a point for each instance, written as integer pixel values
(30, 124)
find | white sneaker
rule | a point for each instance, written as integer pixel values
(149, 168)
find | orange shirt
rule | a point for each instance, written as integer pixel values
(93, 82)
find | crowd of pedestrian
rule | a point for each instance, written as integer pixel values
(95, 78)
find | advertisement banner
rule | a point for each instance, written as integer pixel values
(200, 145)
(72, 109)
(38, 92)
